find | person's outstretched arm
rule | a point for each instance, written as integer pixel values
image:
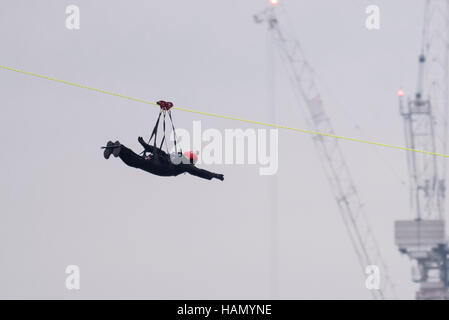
(202, 173)
(150, 148)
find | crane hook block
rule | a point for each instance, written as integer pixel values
(165, 105)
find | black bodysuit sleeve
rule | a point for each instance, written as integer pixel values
(202, 173)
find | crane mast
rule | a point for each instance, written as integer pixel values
(335, 166)
(425, 116)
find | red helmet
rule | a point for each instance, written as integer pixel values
(191, 156)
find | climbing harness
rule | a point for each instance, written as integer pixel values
(165, 110)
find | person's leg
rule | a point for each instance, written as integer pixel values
(131, 158)
(134, 160)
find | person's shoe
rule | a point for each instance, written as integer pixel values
(108, 150)
(117, 148)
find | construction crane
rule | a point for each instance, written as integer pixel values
(425, 116)
(335, 166)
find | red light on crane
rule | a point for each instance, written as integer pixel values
(401, 93)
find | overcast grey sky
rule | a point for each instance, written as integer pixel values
(136, 235)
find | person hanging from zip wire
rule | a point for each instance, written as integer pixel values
(159, 162)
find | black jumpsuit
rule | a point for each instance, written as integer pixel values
(160, 164)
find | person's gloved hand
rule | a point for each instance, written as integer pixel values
(219, 177)
(140, 139)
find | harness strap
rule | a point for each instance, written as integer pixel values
(165, 108)
(163, 139)
(154, 133)
(174, 131)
